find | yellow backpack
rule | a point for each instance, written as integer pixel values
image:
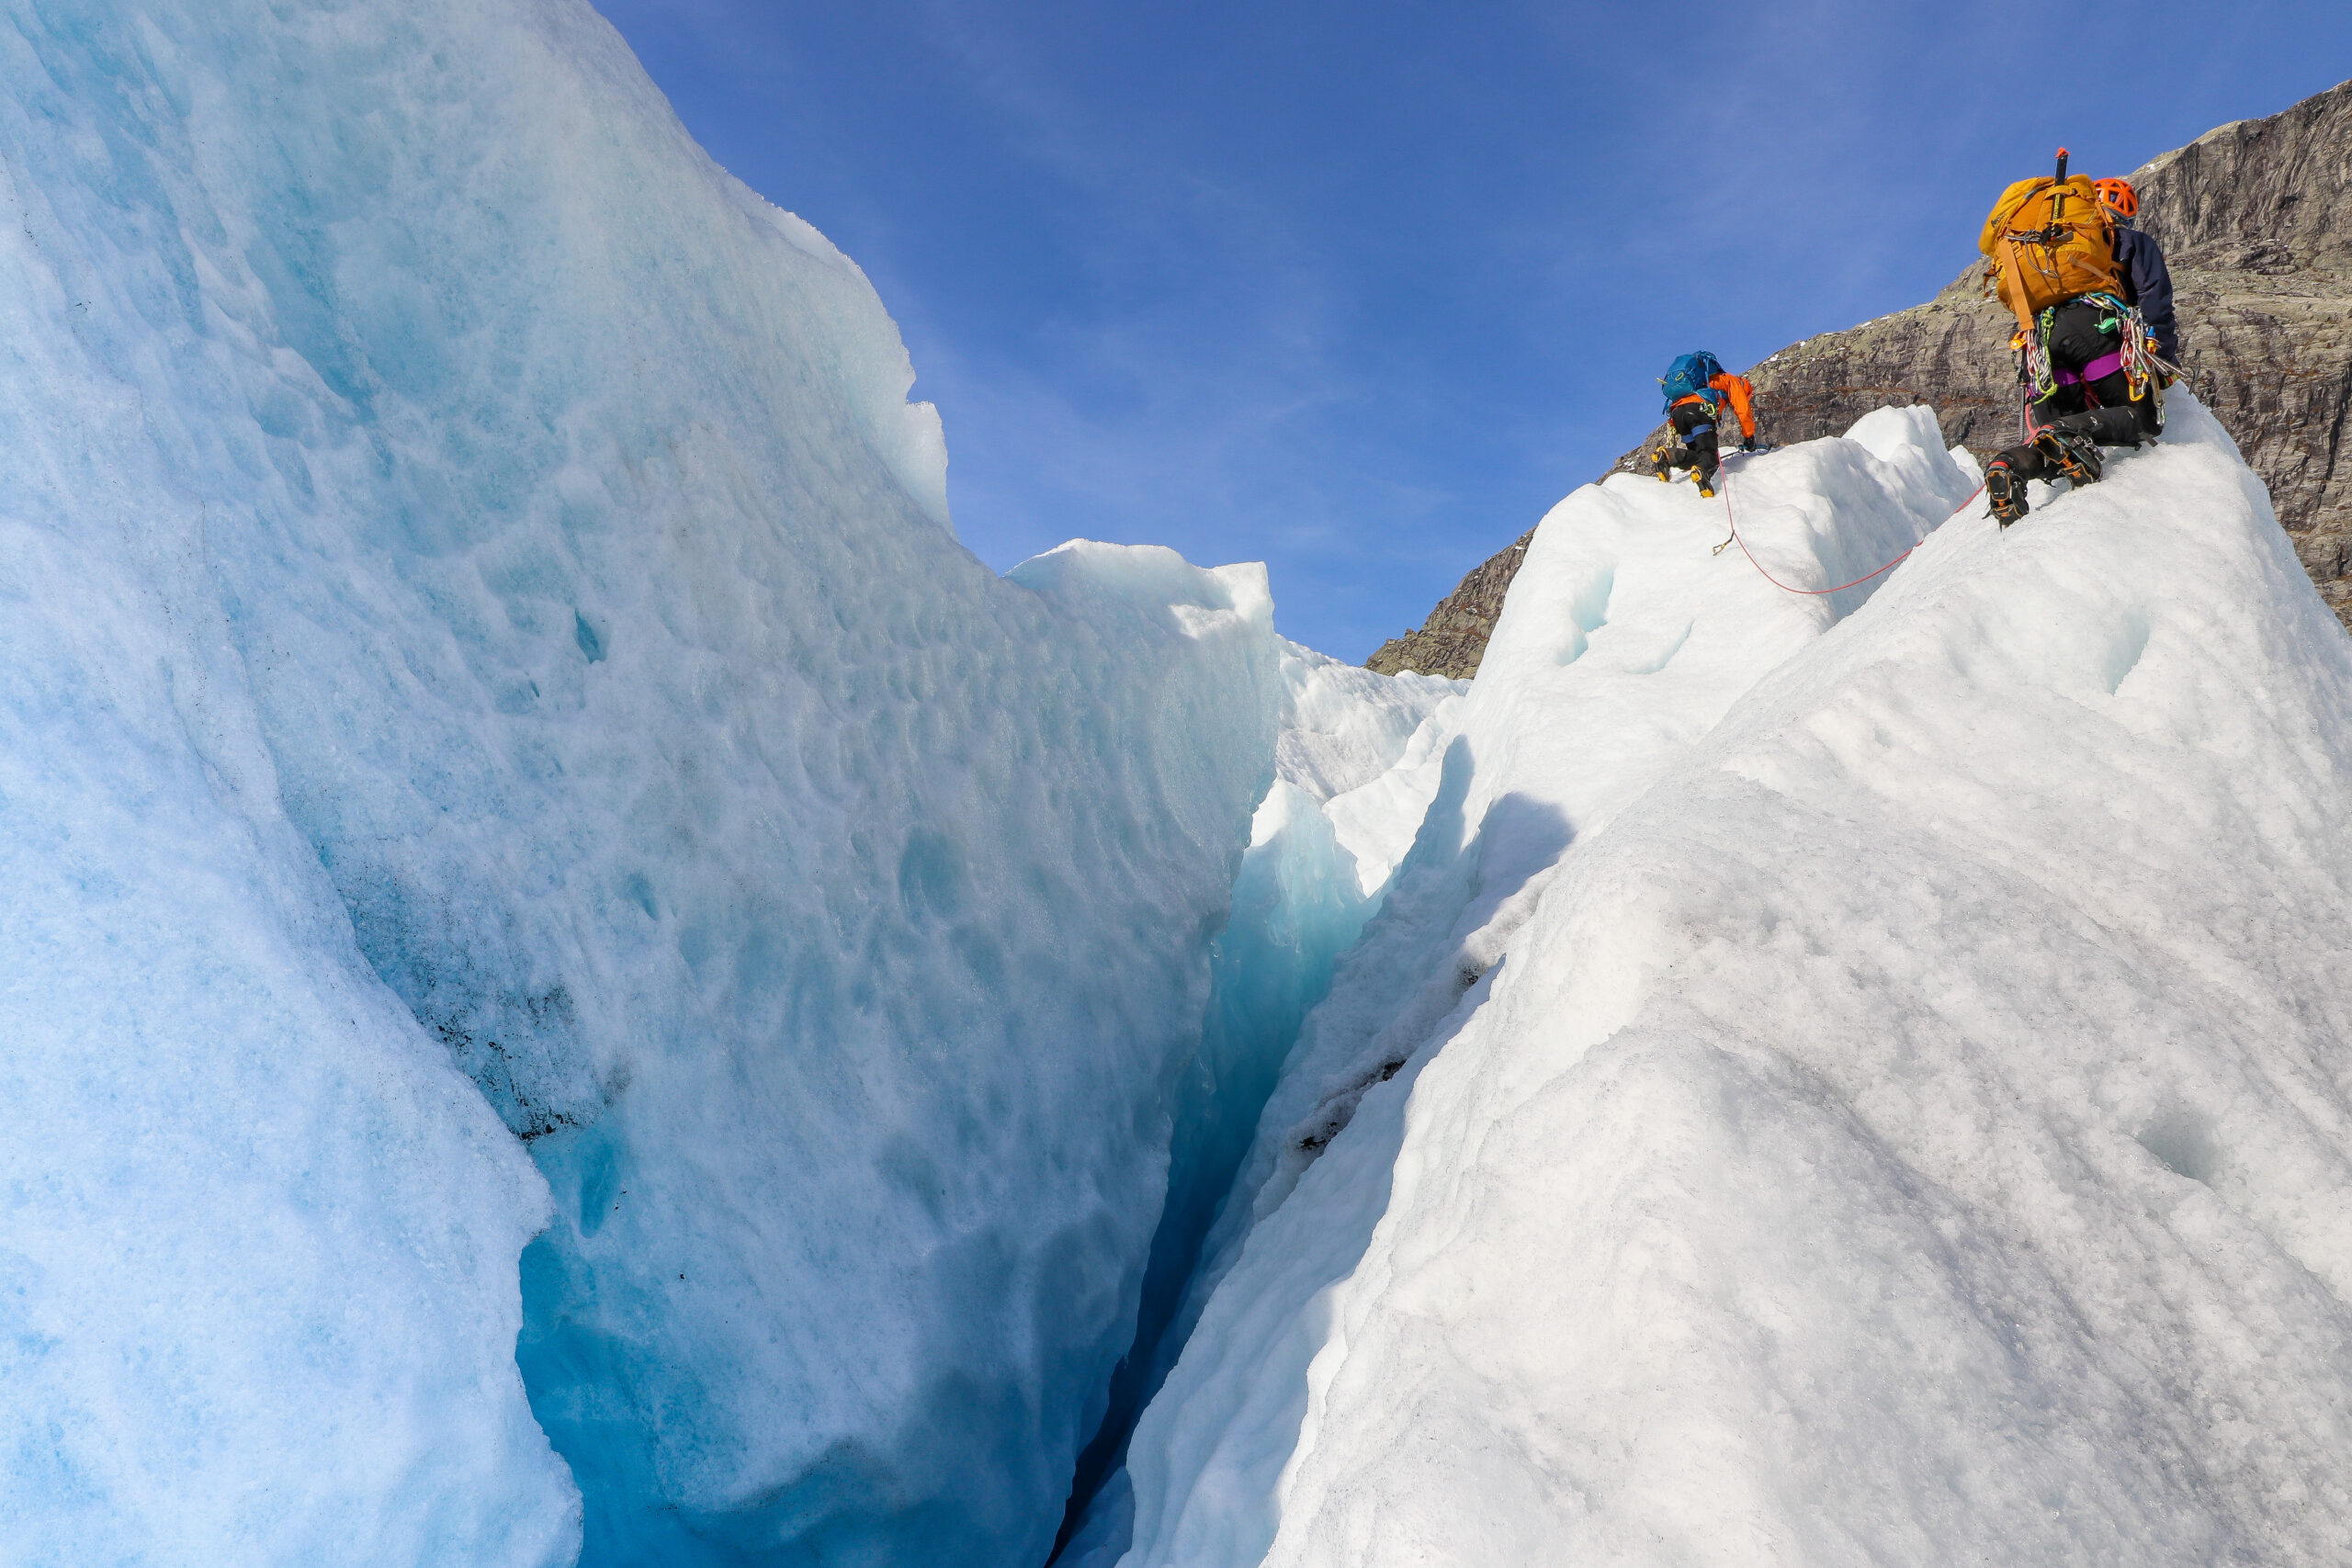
(2050, 240)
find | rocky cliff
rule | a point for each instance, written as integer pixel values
(2256, 219)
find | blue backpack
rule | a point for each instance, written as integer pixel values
(1690, 375)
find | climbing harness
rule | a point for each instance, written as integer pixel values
(1732, 517)
(2135, 354)
(2147, 372)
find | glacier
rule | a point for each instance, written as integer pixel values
(583, 984)
(1883, 1102)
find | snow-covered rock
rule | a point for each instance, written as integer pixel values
(479, 595)
(1905, 1119)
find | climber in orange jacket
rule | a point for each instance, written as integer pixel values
(1696, 388)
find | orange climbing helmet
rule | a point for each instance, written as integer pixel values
(2119, 198)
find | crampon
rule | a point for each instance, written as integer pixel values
(2073, 455)
(2006, 491)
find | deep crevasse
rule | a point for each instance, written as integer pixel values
(1889, 1103)
(1357, 758)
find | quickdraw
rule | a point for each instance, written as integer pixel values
(2132, 327)
(2034, 360)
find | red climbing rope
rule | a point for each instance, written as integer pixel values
(1816, 593)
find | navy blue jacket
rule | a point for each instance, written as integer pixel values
(2147, 283)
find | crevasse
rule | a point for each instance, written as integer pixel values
(1355, 763)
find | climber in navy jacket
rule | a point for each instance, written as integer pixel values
(2087, 412)
(2147, 282)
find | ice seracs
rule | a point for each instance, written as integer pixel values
(494, 616)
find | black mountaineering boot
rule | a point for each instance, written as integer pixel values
(2072, 453)
(2006, 491)
(1659, 466)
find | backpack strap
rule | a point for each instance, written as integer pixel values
(2015, 275)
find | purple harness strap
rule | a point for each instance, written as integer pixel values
(2106, 365)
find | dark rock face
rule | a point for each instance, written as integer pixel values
(1452, 640)
(2256, 218)
(2255, 221)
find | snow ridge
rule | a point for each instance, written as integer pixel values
(1909, 1124)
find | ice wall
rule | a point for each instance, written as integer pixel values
(1909, 1124)
(257, 1235)
(480, 545)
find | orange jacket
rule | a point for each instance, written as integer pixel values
(1742, 395)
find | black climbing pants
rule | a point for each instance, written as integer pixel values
(1695, 430)
(2103, 409)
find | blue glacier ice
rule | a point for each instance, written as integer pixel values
(1356, 759)
(486, 644)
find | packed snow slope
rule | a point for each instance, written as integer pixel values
(1888, 1103)
(1633, 638)
(483, 642)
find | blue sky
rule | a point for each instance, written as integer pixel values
(1360, 290)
